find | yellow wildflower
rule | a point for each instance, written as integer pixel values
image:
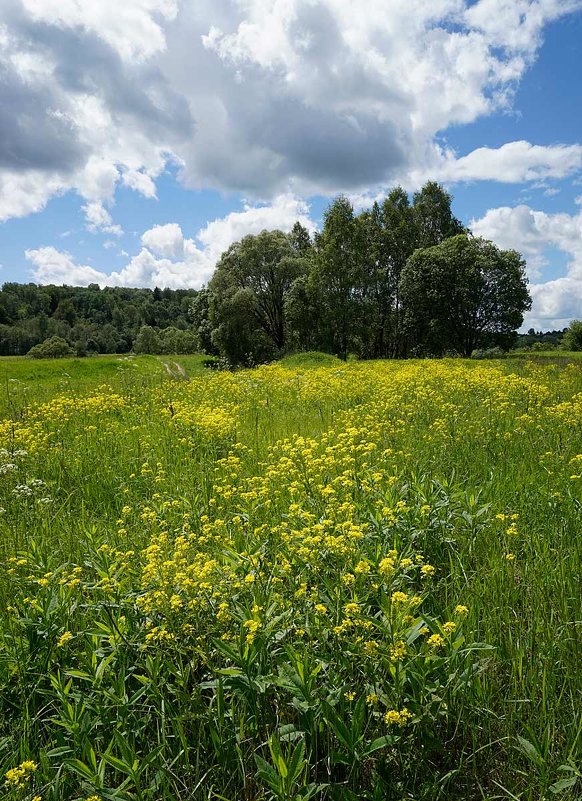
(64, 639)
(398, 718)
(435, 641)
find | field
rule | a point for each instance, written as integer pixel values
(308, 580)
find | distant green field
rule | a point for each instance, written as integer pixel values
(24, 381)
(562, 356)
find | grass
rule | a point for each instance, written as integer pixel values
(309, 580)
(24, 381)
(557, 356)
(311, 359)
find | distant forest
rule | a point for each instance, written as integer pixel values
(92, 320)
(404, 278)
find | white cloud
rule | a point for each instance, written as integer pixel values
(282, 214)
(99, 219)
(531, 232)
(89, 107)
(133, 27)
(263, 97)
(514, 162)
(167, 258)
(58, 267)
(165, 240)
(141, 182)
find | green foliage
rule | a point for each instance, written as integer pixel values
(90, 319)
(51, 348)
(349, 291)
(488, 353)
(336, 278)
(248, 291)
(433, 218)
(167, 341)
(572, 339)
(463, 294)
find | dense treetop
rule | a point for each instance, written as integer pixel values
(90, 319)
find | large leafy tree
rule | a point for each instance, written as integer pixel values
(388, 238)
(463, 294)
(248, 290)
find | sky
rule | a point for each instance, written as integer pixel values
(139, 139)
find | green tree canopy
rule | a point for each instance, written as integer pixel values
(433, 218)
(463, 294)
(248, 290)
(336, 279)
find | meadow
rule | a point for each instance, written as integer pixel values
(310, 580)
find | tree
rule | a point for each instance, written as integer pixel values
(65, 311)
(300, 240)
(199, 316)
(255, 273)
(463, 294)
(147, 341)
(52, 348)
(572, 339)
(236, 334)
(433, 219)
(336, 279)
(401, 238)
(174, 340)
(302, 315)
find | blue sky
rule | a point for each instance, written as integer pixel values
(139, 140)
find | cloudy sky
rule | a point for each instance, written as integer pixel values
(138, 139)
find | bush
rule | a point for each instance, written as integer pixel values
(147, 341)
(539, 347)
(488, 353)
(572, 339)
(51, 348)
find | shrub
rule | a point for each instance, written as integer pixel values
(488, 353)
(572, 339)
(51, 348)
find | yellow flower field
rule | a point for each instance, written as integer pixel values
(346, 582)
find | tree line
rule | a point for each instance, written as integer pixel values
(402, 278)
(94, 320)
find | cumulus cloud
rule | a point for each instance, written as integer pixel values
(165, 240)
(99, 219)
(259, 97)
(514, 162)
(54, 266)
(168, 258)
(87, 103)
(531, 232)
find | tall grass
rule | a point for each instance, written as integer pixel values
(301, 581)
